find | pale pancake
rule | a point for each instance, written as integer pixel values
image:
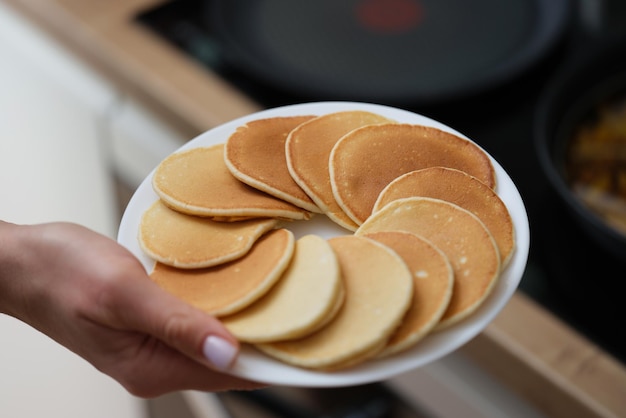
(308, 148)
(186, 241)
(335, 308)
(354, 361)
(464, 239)
(255, 154)
(197, 182)
(433, 278)
(230, 287)
(365, 160)
(308, 295)
(378, 288)
(461, 189)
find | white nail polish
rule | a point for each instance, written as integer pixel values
(219, 352)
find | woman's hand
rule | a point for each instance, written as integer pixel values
(93, 296)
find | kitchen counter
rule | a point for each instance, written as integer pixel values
(527, 348)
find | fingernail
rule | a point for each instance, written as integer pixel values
(219, 352)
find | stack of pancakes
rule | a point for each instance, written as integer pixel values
(426, 235)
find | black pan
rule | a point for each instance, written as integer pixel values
(597, 77)
(391, 51)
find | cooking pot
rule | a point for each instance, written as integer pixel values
(577, 96)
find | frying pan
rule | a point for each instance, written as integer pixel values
(391, 51)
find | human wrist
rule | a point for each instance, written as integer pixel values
(13, 259)
(6, 231)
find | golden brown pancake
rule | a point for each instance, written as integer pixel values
(197, 182)
(378, 289)
(364, 161)
(230, 287)
(307, 149)
(186, 241)
(433, 278)
(255, 154)
(461, 189)
(464, 239)
(308, 295)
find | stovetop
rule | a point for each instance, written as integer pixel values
(566, 273)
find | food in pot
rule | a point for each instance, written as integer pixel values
(596, 163)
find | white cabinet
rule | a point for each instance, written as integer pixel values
(51, 165)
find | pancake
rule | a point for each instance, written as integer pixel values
(354, 361)
(308, 148)
(433, 279)
(378, 289)
(308, 295)
(255, 154)
(197, 182)
(461, 189)
(230, 287)
(364, 161)
(185, 241)
(464, 239)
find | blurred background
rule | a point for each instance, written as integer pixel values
(94, 94)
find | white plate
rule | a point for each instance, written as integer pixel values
(254, 365)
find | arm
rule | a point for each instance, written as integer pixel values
(94, 297)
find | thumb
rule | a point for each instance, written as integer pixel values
(200, 336)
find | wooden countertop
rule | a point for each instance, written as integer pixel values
(525, 347)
